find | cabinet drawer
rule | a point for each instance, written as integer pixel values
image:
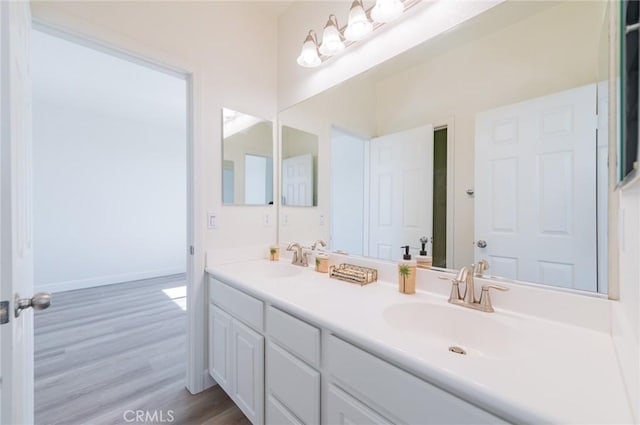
(240, 305)
(342, 409)
(394, 393)
(296, 336)
(294, 384)
(277, 414)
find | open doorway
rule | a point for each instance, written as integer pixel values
(110, 155)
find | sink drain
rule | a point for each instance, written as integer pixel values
(457, 350)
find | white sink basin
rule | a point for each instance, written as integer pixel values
(274, 269)
(476, 332)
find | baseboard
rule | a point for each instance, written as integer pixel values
(208, 380)
(105, 280)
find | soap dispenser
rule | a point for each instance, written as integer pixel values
(407, 273)
(423, 260)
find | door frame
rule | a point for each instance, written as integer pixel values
(449, 124)
(197, 378)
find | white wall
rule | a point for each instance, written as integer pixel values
(626, 311)
(109, 198)
(230, 49)
(109, 151)
(236, 71)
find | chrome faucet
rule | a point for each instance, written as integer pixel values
(468, 298)
(299, 257)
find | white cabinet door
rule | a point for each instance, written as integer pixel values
(342, 409)
(248, 371)
(220, 347)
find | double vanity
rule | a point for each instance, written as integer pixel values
(292, 346)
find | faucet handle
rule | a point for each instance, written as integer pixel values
(480, 267)
(485, 299)
(318, 242)
(454, 295)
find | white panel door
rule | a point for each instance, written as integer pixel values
(220, 347)
(401, 185)
(16, 253)
(297, 181)
(248, 372)
(535, 201)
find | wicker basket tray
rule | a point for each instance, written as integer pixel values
(353, 274)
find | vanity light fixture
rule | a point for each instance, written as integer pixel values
(386, 11)
(361, 23)
(332, 43)
(309, 57)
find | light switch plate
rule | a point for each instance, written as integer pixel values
(212, 220)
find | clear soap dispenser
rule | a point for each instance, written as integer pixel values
(407, 273)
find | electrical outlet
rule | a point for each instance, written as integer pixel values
(285, 219)
(266, 219)
(212, 220)
(321, 219)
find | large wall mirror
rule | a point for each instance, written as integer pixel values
(481, 141)
(247, 159)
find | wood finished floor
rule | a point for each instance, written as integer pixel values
(100, 352)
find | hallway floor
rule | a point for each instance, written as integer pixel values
(104, 355)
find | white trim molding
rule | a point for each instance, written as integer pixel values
(91, 282)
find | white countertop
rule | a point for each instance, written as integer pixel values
(518, 367)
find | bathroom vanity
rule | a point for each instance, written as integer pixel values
(292, 346)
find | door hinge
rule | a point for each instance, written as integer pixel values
(191, 250)
(4, 312)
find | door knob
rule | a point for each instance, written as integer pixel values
(39, 301)
(481, 244)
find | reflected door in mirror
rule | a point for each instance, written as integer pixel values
(536, 189)
(299, 167)
(297, 181)
(401, 200)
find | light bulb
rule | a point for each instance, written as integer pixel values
(359, 25)
(309, 57)
(332, 43)
(387, 10)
